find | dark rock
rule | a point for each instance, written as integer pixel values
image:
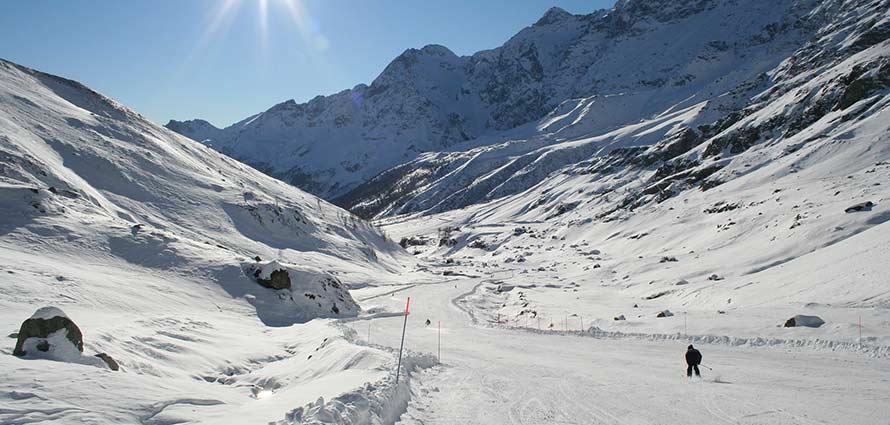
(411, 241)
(41, 325)
(804, 320)
(664, 313)
(657, 295)
(279, 279)
(112, 364)
(862, 206)
(478, 244)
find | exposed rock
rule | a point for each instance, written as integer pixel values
(40, 332)
(112, 364)
(619, 317)
(664, 313)
(668, 259)
(862, 206)
(278, 279)
(804, 320)
(411, 241)
(657, 295)
(478, 244)
(714, 277)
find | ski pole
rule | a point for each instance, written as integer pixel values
(705, 367)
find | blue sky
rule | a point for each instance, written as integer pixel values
(223, 60)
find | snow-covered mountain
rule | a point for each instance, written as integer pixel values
(193, 271)
(731, 71)
(778, 208)
(448, 131)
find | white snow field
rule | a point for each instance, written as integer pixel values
(493, 375)
(147, 241)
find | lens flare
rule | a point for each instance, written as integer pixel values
(308, 27)
(263, 14)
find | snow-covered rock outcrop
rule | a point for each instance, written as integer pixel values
(312, 292)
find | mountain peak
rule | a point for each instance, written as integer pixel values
(552, 16)
(195, 129)
(437, 50)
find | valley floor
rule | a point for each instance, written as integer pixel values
(494, 375)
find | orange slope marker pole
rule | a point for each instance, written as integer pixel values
(402, 345)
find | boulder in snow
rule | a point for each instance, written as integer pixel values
(273, 275)
(620, 317)
(862, 206)
(300, 293)
(804, 320)
(49, 330)
(664, 313)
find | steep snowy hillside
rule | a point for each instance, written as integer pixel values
(199, 276)
(726, 231)
(585, 74)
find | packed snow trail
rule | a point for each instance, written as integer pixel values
(502, 376)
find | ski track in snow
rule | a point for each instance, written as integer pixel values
(492, 375)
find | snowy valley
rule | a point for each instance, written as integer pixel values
(566, 212)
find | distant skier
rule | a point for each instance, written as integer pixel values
(428, 322)
(693, 359)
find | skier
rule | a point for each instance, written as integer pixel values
(693, 359)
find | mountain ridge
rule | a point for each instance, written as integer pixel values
(565, 78)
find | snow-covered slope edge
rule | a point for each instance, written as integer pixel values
(155, 246)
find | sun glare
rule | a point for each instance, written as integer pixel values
(306, 25)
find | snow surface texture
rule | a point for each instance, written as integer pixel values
(146, 238)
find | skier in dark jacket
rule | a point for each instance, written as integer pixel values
(693, 359)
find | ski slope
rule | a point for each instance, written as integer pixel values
(491, 374)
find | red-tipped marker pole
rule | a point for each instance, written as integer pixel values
(402, 345)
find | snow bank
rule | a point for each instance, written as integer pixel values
(374, 403)
(46, 313)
